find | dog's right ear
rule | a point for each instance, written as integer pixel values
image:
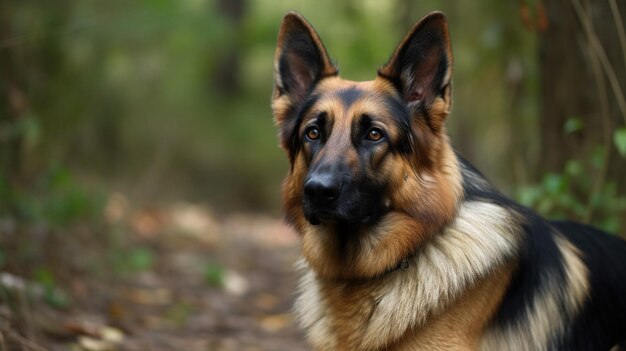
(421, 68)
(300, 61)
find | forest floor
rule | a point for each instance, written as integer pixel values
(208, 283)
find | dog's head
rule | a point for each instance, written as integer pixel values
(364, 153)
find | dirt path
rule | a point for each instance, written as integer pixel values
(213, 284)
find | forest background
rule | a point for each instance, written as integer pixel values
(121, 122)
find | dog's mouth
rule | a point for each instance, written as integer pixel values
(317, 217)
(356, 207)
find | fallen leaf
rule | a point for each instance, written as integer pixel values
(266, 301)
(156, 296)
(275, 322)
(235, 284)
(87, 343)
(111, 335)
(115, 208)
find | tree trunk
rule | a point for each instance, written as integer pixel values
(12, 100)
(226, 80)
(576, 84)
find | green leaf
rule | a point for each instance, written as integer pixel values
(573, 125)
(610, 225)
(26, 127)
(52, 294)
(598, 157)
(57, 298)
(573, 168)
(179, 313)
(214, 274)
(45, 277)
(529, 195)
(619, 138)
(141, 259)
(554, 183)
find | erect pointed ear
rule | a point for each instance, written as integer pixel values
(299, 63)
(300, 59)
(421, 65)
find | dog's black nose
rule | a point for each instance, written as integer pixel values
(322, 189)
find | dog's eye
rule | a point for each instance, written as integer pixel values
(312, 133)
(374, 134)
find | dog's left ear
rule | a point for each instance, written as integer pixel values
(300, 58)
(421, 65)
(300, 62)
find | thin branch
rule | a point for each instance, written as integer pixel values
(621, 33)
(26, 311)
(3, 345)
(604, 60)
(600, 179)
(25, 343)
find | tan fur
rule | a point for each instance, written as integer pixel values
(461, 326)
(372, 314)
(545, 318)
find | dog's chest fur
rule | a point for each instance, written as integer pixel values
(443, 298)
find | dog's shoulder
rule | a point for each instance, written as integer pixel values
(603, 317)
(567, 291)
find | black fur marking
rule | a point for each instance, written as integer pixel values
(326, 126)
(360, 126)
(602, 322)
(349, 96)
(398, 111)
(289, 130)
(477, 187)
(366, 149)
(540, 263)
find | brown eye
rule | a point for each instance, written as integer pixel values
(313, 133)
(374, 134)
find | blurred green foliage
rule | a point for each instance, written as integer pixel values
(128, 261)
(53, 199)
(129, 96)
(163, 100)
(580, 191)
(619, 138)
(52, 293)
(179, 313)
(570, 194)
(214, 274)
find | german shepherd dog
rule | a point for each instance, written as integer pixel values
(405, 245)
